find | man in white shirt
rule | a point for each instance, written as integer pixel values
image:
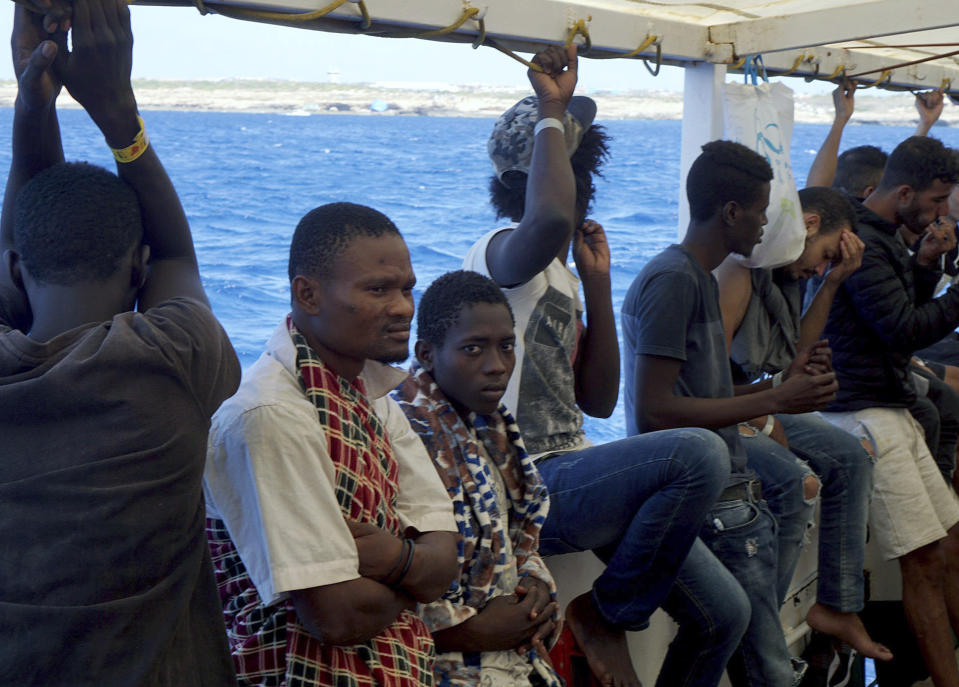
(327, 520)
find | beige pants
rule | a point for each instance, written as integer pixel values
(912, 505)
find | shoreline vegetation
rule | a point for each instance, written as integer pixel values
(308, 98)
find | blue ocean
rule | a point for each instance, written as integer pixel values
(246, 179)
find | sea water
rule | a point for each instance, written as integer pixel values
(246, 179)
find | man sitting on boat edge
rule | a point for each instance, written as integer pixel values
(765, 329)
(493, 625)
(678, 371)
(638, 502)
(857, 172)
(881, 314)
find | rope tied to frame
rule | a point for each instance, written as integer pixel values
(509, 53)
(579, 28)
(286, 17)
(468, 13)
(884, 77)
(840, 71)
(799, 60)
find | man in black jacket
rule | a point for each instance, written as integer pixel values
(881, 315)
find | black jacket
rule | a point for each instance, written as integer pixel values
(882, 314)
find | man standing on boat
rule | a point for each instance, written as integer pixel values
(105, 577)
(639, 502)
(881, 314)
(327, 520)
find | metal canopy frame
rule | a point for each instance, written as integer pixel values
(893, 44)
(810, 38)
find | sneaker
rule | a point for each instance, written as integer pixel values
(799, 670)
(840, 670)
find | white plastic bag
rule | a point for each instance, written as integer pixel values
(761, 118)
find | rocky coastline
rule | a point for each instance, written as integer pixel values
(304, 98)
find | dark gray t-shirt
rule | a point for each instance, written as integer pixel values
(672, 310)
(105, 574)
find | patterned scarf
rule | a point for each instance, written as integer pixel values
(482, 522)
(270, 646)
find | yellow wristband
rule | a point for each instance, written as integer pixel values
(139, 146)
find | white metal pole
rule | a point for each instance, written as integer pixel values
(702, 122)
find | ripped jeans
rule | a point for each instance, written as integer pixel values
(758, 542)
(845, 470)
(726, 591)
(782, 475)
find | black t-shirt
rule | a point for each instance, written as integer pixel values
(105, 576)
(672, 310)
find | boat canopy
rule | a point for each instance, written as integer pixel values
(892, 44)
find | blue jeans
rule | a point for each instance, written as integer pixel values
(845, 470)
(713, 612)
(639, 502)
(782, 475)
(744, 536)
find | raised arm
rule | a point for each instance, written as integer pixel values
(97, 74)
(823, 169)
(516, 256)
(597, 356)
(817, 314)
(36, 141)
(929, 105)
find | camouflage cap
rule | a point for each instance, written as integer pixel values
(510, 146)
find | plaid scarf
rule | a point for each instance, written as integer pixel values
(483, 523)
(270, 646)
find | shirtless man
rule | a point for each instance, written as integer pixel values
(765, 330)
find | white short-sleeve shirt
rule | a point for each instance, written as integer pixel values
(269, 476)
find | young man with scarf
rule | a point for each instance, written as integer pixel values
(492, 624)
(326, 518)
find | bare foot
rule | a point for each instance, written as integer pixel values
(604, 645)
(847, 627)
